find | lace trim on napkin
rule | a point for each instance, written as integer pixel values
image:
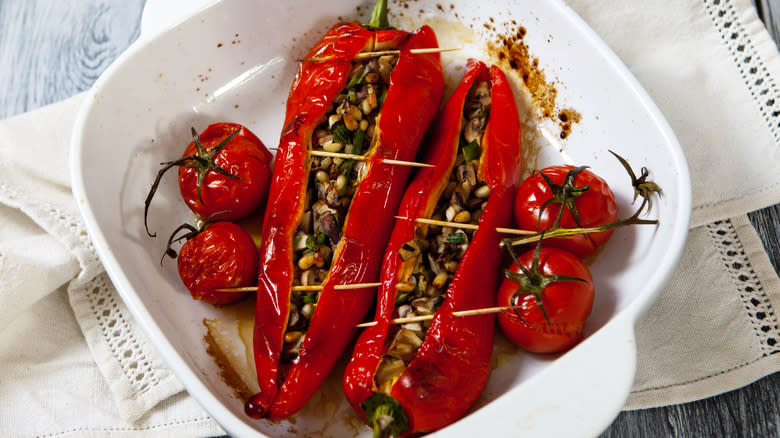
(109, 330)
(108, 312)
(122, 342)
(751, 67)
(751, 292)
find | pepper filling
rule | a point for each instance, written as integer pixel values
(349, 128)
(432, 257)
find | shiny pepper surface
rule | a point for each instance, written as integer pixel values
(414, 93)
(452, 366)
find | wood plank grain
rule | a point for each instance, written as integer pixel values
(51, 49)
(751, 411)
(769, 11)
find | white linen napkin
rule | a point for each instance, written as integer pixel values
(90, 370)
(713, 72)
(712, 69)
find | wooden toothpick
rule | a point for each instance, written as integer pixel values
(462, 313)
(364, 158)
(313, 287)
(467, 226)
(366, 55)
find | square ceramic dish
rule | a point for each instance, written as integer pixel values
(234, 61)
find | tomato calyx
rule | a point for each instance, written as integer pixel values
(532, 281)
(192, 231)
(202, 162)
(643, 188)
(564, 194)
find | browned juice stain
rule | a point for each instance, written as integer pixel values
(226, 373)
(537, 93)
(567, 117)
(513, 54)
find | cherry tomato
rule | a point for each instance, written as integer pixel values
(213, 194)
(224, 173)
(221, 255)
(566, 303)
(590, 203)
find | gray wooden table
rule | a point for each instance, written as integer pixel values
(52, 49)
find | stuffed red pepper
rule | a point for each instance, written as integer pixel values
(418, 377)
(328, 219)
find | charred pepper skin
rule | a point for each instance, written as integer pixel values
(452, 366)
(414, 93)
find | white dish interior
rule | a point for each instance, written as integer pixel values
(235, 60)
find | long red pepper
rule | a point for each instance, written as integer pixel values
(452, 366)
(415, 90)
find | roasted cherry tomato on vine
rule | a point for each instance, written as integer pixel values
(554, 290)
(220, 255)
(224, 173)
(587, 199)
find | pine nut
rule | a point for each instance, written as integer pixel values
(440, 280)
(365, 107)
(404, 286)
(306, 262)
(321, 133)
(451, 266)
(350, 122)
(308, 310)
(355, 112)
(341, 183)
(482, 192)
(291, 337)
(324, 139)
(332, 147)
(319, 260)
(462, 217)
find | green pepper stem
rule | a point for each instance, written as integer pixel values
(385, 415)
(383, 422)
(378, 18)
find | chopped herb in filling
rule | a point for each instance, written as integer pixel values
(349, 128)
(432, 257)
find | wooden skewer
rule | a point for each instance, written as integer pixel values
(304, 288)
(365, 55)
(363, 158)
(483, 311)
(355, 286)
(467, 226)
(238, 289)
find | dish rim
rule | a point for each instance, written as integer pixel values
(190, 379)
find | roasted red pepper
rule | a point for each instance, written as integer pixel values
(415, 89)
(451, 367)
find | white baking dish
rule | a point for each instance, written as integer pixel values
(234, 61)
